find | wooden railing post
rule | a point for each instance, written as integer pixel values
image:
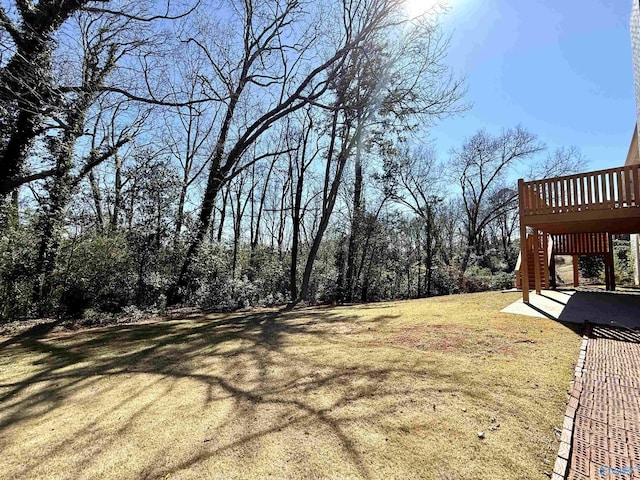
(524, 263)
(576, 272)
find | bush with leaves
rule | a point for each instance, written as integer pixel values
(622, 263)
(591, 266)
(477, 279)
(323, 284)
(18, 249)
(445, 281)
(209, 279)
(96, 272)
(268, 272)
(502, 281)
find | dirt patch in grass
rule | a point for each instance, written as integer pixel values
(435, 337)
(396, 390)
(451, 338)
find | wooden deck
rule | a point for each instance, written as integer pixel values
(580, 212)
(599, 201)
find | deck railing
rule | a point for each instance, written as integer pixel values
(599, 190)
(581, 244)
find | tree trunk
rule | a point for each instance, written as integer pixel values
(429, 258)
(313, 253)
(237, 223)
(419, 260)
(223, 214)
(27, 79)
(296, 209)
(50, 225)
(258, 221)
(180, 212)
(295, 219)
(117, 198)
(366, 281)
(252, 216)
(51, 220)
(331, 194)
(214, 184)
(351, 279)
(283, 218)
(97, 201)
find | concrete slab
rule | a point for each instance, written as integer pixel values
(605, 308)
(549, 304)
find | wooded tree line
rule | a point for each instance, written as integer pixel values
(231, 153)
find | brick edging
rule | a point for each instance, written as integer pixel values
(561, 466)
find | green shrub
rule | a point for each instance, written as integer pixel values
(18, 249)
(477, 279)
(261, 280)
(444, 280)
(502, 281)
(591, 266)
(96, 272)
(622, 263)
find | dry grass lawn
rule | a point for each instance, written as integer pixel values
(394, 390)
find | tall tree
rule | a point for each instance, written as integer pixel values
(102, 49)
(387, 85)
(481, 168)
(414, 180)
(299, 163)
(32, 96)
(292, 81)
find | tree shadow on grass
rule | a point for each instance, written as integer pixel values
(252, 360)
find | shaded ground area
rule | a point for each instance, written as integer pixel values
(395, 390)
(605, 308)
(606, 435)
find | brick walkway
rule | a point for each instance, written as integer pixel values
(605, 406)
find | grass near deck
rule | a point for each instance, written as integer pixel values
(393, 390)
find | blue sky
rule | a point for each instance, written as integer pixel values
(561, 68)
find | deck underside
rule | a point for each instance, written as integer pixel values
(616, 221)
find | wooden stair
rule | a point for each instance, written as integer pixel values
(544, 280)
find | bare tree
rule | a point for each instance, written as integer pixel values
(188, 138)
(481, 168)
(387, 86)
(562, 161)
(27, 87)
(299, 162)
(414, 179)
(31, 94)
(102, 49)
(266, 31)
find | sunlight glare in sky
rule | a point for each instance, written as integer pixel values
(415, 8)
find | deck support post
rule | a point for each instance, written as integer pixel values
(576, 273)
(536, 260)
(609, 263)
(552, 268)
(545, 250)
(524, 261)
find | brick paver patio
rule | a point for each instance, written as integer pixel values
(604, 409)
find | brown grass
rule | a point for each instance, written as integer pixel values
(395, 390)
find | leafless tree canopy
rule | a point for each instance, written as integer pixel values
(228, 153)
